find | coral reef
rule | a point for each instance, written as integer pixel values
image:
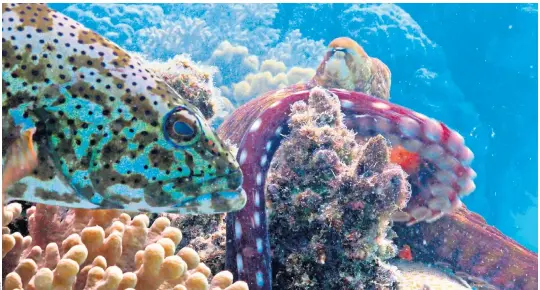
(195, 84)
(205, 234)
(332, 198)
(271, 75)
(189, 81)
(101, 249)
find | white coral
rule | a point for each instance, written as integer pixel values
(233, 61)
(385, 23)
(119, 22)
(272, 75)
(296, 50)
(186, 35)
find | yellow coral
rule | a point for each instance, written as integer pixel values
(9, 241)
(90, 250)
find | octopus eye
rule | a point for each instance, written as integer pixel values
(336, 49)
(181, 127)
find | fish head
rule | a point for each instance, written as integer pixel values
(195, 171)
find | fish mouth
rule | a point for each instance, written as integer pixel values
(214, 202)
(235, 197)
(231, 201)
(221, 194)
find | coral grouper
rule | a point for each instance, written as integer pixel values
(86, 126)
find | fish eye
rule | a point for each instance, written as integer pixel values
(181, 127)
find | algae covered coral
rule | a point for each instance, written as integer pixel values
(195, 83)
(331, 200)
(101, 249)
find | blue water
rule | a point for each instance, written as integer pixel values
(474, 67)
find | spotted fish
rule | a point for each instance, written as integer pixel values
(102, 131)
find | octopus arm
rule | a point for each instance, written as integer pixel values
(259, 126)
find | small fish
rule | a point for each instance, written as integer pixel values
(85, 125)
(405, 253)
(409, 161)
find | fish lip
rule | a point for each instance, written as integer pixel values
(236, 176)
(234, 200)
(237, 190)
(239, 196)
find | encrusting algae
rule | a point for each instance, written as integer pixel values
(195, 83)
(101, 249)
(331, 199)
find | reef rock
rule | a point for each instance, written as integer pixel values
(331, 199)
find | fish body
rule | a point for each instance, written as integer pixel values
(108, 133)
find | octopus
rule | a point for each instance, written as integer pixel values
(434, 156)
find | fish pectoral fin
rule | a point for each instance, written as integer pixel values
(21, 159)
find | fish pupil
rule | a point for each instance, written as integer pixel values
(181, 128)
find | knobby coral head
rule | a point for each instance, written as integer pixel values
(101, 249)
(332, 196)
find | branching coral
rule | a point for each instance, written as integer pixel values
(102, 249)
(332, 198)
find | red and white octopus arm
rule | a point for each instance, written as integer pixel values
(445, 175)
